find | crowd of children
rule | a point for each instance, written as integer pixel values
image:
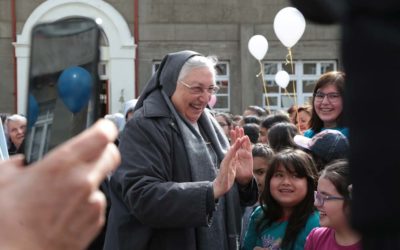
(300, 165)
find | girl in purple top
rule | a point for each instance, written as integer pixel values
(332, 200)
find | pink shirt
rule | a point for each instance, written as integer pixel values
(323, 238)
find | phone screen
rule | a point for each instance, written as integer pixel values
(63, 90)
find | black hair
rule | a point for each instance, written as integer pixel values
(251, 119)
(270, 120)
(294, 161)
(280, 136)
(252, 130)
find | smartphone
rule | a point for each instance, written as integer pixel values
(63, 96)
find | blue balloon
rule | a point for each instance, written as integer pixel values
(74, 85)
(33, 110)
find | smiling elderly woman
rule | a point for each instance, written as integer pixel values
(179, 186)
(16, 128)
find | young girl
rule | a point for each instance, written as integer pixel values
(332, 200)
(262, 157)
(225, 121)
(327, 104)
(286, 213)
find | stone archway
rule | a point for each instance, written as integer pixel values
(119, 55)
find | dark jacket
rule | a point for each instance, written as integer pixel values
(153, 199)
(12, 149)
(155, 204)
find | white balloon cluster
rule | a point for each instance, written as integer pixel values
(289, 26)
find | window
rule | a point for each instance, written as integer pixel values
(222, 80)
(102, 69)
(302, 81)
(41, 132)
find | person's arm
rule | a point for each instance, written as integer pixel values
(55, 203)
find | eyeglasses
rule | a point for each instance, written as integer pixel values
(319, 199)
(196, 89)
(332, 97)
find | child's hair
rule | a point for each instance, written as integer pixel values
(291, 109)
(270, 120)
(257, 109)
(338, 174)
(306, 108)
(252, 130)
(294, 161)
(251, 119)
(263, 150)
(281, 134)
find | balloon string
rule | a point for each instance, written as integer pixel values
(287, 93)
(289, 59)
(264, 85)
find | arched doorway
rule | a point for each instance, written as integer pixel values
(117, 54)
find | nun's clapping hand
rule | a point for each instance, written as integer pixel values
(235, 162)
(244, 171)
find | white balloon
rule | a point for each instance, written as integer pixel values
(289, 26)
(282, 79)
(258, 46)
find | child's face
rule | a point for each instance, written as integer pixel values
(260, 167)
(329, 110)
(287, 188)
(304, 119)
(331, 212)
(222, 122)
(263, 138)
